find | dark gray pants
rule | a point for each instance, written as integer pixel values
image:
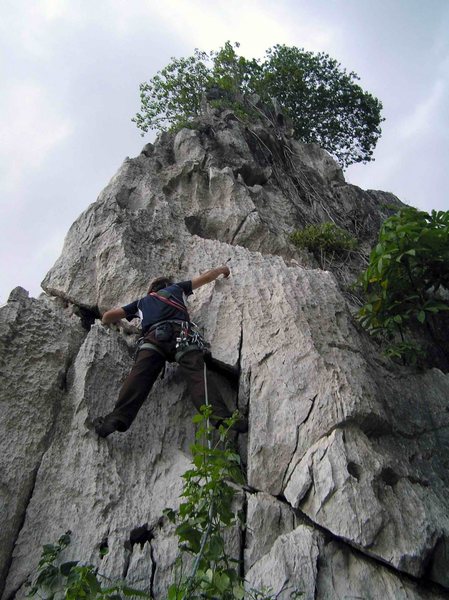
(148, 366)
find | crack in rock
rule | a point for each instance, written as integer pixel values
(303, 518)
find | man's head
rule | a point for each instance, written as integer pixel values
(159, 284)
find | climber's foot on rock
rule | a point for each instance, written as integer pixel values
(104, 426)
(241, 426)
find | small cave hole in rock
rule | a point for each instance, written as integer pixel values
(140, 535)
(252, 175)
(354, 469)
(87, 315)
(194, 225)
(389, 476)
(104, 548)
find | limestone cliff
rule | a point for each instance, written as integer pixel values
(347, 453)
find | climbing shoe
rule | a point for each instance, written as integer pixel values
(104, 427)
(241, 426)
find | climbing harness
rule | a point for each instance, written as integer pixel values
(189, 338)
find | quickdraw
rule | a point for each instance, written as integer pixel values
(190, 336)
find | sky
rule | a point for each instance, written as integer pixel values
(71, 69)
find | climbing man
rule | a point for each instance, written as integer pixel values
(167, 335)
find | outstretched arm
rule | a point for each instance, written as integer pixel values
(210, 276)
(113, 316)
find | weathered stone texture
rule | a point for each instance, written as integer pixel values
(304, 561)
(338, 434)
(38, 339)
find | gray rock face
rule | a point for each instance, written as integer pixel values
(38, 339)
(290, 566)
(304, 561)
(266, 520)
(346, 452)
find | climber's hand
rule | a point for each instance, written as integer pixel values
(113, 316)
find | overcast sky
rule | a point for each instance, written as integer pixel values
(71, 71)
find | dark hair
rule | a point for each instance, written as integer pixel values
(159, 284)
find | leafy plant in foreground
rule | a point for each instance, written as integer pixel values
(407, 279)
(204, 516)
(72, 580)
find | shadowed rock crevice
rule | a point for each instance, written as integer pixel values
(253, 175)
(140, 535)
(88, 316)
(153, 568)
(354, 469)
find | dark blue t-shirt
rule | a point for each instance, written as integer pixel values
(151, 310)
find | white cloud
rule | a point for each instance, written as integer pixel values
(53, 9)
(422, 118)
(256, 24)
(30, 129)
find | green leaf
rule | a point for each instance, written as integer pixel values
(216, 547)
(421, 316)
(222, 582)
(92, 580)
(174, 593)
(239, 592)
(170, 514)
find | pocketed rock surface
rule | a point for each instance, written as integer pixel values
(347, 453)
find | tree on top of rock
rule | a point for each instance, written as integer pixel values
(321, 99)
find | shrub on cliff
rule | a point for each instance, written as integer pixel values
(322, 100)
(407, 279)
(325, 237)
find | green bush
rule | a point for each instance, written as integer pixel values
(407, 279)
(325, 238)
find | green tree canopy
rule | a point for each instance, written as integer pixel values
(323, 101)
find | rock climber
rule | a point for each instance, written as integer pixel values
(167, 335)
